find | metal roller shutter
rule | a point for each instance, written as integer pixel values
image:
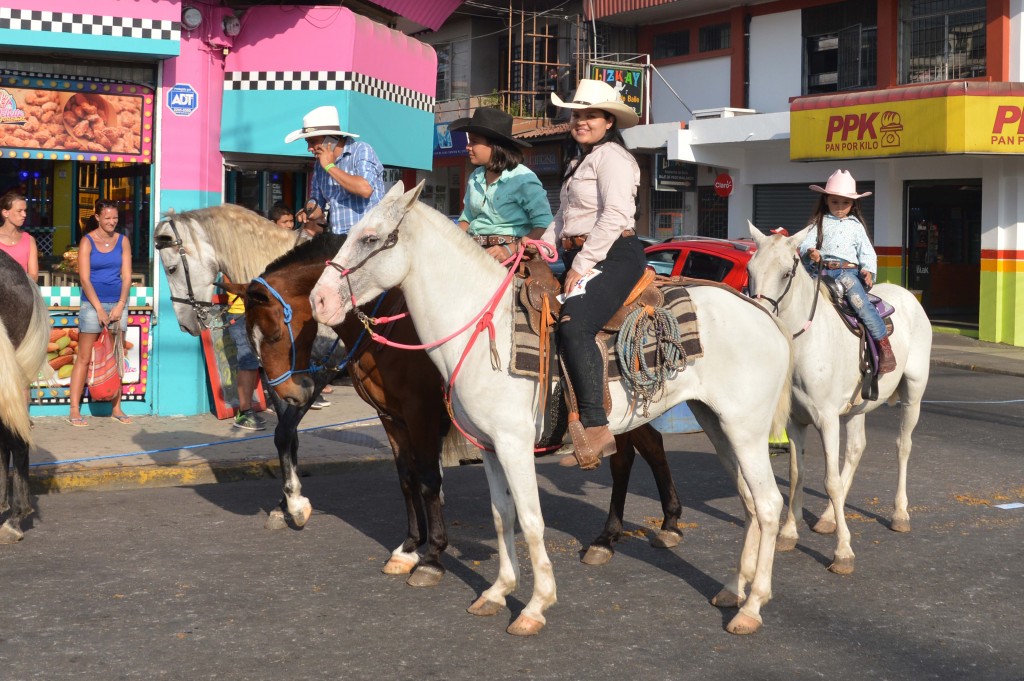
(790, 206)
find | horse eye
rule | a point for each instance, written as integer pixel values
(172, 269)
(370, 239)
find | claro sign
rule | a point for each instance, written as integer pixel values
(987, 118)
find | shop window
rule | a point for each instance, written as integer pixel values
(840, 47)
(452, 70)
(942, 40)
(715, 37)
(671, 45)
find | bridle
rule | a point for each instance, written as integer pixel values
(314, 365)
(778, 301)
(199, 307)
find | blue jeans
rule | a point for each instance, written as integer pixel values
(244, 355)
(857, 297)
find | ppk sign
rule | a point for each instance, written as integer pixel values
(182, 99)
(628, 81)
(921, 122)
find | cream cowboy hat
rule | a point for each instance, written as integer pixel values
(841, 183)
(596, 94)
(322, 120)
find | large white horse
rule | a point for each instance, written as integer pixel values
(739, 389)
(827, 383)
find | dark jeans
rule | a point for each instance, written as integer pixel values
(583, 316)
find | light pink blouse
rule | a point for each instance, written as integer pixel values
(598, 200)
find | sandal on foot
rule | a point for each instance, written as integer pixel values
(123, 419)
(78, 421)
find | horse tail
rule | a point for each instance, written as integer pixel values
(24, 365)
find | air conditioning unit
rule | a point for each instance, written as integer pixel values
(721, 112)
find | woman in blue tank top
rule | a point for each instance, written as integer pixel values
(105, 270)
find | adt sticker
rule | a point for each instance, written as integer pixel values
(182, 99)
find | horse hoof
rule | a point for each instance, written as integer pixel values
(900, 525)
(484, 608)
(10, 535)
(841, 566)
(666, 539)
(726, 599)
(525, 626)
(597, 555)
(425, 576)
(785, 543)
(302, 517)
(398, 566)
(275, 520)
(824, 526)
(741, 625)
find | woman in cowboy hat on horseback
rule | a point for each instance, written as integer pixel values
(595, 227)
(839, 245)
(504, 199)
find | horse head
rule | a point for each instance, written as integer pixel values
(373, 259)
(191, 269)
(774, 266)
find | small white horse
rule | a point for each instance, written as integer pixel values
(827, 383)
(736, 394)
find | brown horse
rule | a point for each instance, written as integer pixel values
(405, 388)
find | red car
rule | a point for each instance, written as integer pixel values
(700, 257)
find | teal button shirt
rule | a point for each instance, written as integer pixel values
(514, 205)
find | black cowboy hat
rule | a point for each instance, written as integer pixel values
(494, 124)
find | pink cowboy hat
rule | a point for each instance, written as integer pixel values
(841, 183)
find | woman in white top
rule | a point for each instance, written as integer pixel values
(594, 227)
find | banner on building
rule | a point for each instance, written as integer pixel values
(674, 176)
(627, 79)
(59, 119)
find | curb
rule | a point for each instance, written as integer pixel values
(184, 475)
(959, 364)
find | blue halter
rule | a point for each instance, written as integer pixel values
(314, 365)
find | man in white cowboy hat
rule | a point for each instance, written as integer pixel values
(348, 178)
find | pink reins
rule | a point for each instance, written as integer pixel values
(482, 320)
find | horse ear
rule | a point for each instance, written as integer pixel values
(232, 288)
(756, 234)
(410, 197)
(799, 237)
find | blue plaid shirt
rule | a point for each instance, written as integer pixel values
(346, 209)
(844, 239)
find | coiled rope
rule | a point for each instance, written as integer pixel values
(660, 325)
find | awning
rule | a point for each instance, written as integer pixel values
(430, 14)
(959, 117)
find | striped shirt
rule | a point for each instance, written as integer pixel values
(346, 208)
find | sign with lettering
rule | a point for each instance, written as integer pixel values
(723, 185)
(182, 99)
(946, 121)
(627, 79)
(674, 176)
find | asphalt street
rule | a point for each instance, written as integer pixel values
(184, 582)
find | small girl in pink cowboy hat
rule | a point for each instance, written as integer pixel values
(839, 245)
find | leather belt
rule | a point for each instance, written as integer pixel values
(837, 265)
(571, 243)
(486, 240)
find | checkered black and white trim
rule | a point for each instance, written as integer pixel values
(328, 80)
(89, 24)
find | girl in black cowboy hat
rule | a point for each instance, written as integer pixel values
(504, 200)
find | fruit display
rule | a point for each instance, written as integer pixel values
(61, 350)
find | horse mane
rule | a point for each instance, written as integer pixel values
(323, 246)
(464, 245)
(243, 240)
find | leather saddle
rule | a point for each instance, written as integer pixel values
(868, 346)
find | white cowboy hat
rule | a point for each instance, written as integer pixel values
(841, 183)
(596, 94)
(322, 120)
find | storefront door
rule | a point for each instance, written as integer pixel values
(943, 246)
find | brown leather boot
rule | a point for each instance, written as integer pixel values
(886, 360)
(591, 444)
